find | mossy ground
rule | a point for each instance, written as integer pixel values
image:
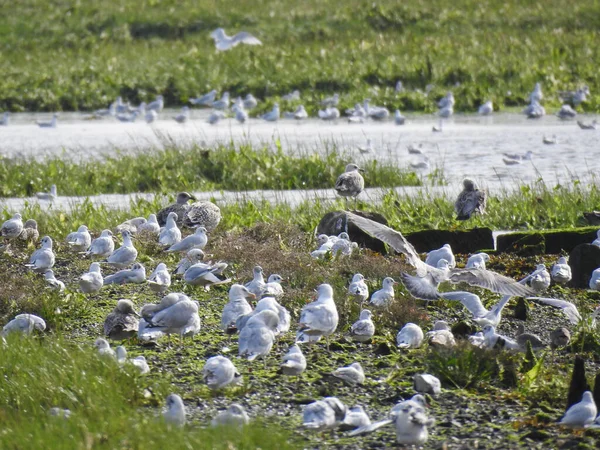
(500, 409)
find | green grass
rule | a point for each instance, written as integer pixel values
(195, 169)
(80, 56)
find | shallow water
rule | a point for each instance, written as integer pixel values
(468, 145)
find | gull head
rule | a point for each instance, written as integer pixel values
(172, 216)
(562, 260)
(275, 278)
(365, 314)
(540, 267)
(469, 185)
(137, 266)
(49, 274)
(236, 409)
(325, 290)
(184, 197)
(237, 291)
(344, 235)
(201, 230)
(443, 264)
(101, 344)
(125, 306)
(46, 242)
(441, 325)
(195, 254)
(82, 229)
(161, 266)
(353, 168)
(95, 267)
(126, 235)
(257, 270)
(489, 330)
(218, 34)
(106, 233)
(389, 282)
(31, 224)
(358, 277)
(174, 401)
(17, 216)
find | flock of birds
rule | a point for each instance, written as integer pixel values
(258, 328)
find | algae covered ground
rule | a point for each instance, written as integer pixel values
(490, 399)
(80, 55)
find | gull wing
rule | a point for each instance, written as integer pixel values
(470, 301)
(568, 308)
(244, 37)
(423, 288)
(490, 280)
(370, 428)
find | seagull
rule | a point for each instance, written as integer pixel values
(477, 261)
(183, 116)
(151, 116)
(13, 227)
(180, 318)
(124, 255)
(441, 335)
(294, 362)
(368, 148)
(292, 96)
(91, 281)
(130, 225)
(351, 183)
(128, 117)
(343, 245)
(510, 158)
(271, 304)
(587, 126)
(561, 271)
(536, 95)
(582, 414)
(566, 112)
(206, 99)
(160, 280)
(534, 110)
(139, 362)
(30, 231)
(568, 308)
(157, 105)
(358, 289)
(595, 280)
(236, 307)
(299, 114)
(104, 349)
(324, 414)
(385, 295)
(80, 240)
(427, 384)
(175, 411)
(43, 258)
(447, 100)
(319, 318)
(151, 226)
(235, 415)
(51, 124)
(52, 282)
(5, 119)
(410, 336)
(215, 117)
(240, 114)
(358, 112)
(250, 102)
(472, 302)
(200, 275)
(257, 285)
(25, 324)
(329, 114)
(411, 425)
(596, 241)
(471, 200)
(475, 277)
(196, 240)
(352, 374)
(219, 372)
(378, 113)
(486, 109)
(273, 287)
(135, 275)
(170, 234)
(444, 252)
(273, 115)
(223, 103)
(356, 417)
(123, 322)
(224, 42)
(102, 246)
(540, 279)
(193, 256)
(48, 196)
(495, 340)
(258, 335)
(399, 119)
(363, 329)
(203, 213)
(331, 101)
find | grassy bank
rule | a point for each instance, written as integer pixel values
(195, 169)
(78, 56)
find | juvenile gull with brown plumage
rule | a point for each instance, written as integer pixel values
(471, 200)
(180, 207)
(351, 183)
(122, 323)
(205, 214)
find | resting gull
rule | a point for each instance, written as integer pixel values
(122, 323)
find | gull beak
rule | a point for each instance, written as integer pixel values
(360, 169)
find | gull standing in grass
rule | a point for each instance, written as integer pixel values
(170, 234)
(160, 279)
(103, 348)
(257, 285)
(292, 96)
(410, 336)
(273, 287)
(358, 289)
(250, 102)
(52, 282)
(257, 337)
(224, 42)
(200, 275)
(539, 279)
(48, 196)
(353, 374)
(399, 119)
(385, 295)
(582, 414)
(196, 240)
(219, 372)
(30, 231)
(561, 271)
(135, 275)
(102, 246)
(486, 109)
(331, 101)
(157, 105)
(12, 228)
(123, 322)
(174, 413)
(180, 318)
(235, 415)
(411, 425)
(363, 329)
(180, 207)
(25, 324)
(273, 115)
(444, 252)
(203, 213)
(351, 183)
(151, 226)
(206, 99)
(139, 362)
(324, 414)
(223, 103)
(124, 255)
(80, 240)
(477, 261)
(43, 258)
(51, 124)
(183, 116)
(356, 417)
(319, 318)
(91, 281)
(193, 256)
(470, 201)
(294, 362)
(329, 114)
(236, 307)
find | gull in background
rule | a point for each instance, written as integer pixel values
(331, 101)
(471, 200)
(250, 102)
(170, 234)
(292, 96)
(536, 95)
(294, 362)
(224, 42)
(410, 336)
(124, 255)
(319, 318)
(595, 280)
(48, 196)
(299, 114)
(160, 279)
(5, 119)
(444, 252)
(566, 112)
(273, 115)
(477, 261)
(358, 289)
(183, 116)
(51, 124)
(223, 103)
(486, 109)
(206, 99)
(135, 275)
(43, 258)
(157, 105)
(258, 335)
(329, 113)
(25, 324)
(385, 295)
(399, 119)
(219, 372)
(123, 322)
(174, 413)
(352, 374)
(52, 282)
(324, 414)
(235, 415)
(350, 183)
